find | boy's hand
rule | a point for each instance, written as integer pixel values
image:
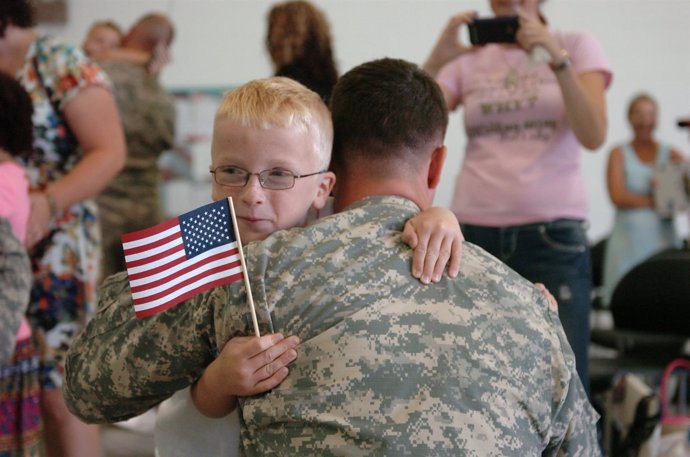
(550, 298)
(247, 365)
(435, 236)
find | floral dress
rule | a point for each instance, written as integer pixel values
(66, 262)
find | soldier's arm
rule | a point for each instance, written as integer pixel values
(15, 284)
(574, 425)
(573, 430)
(120, 366)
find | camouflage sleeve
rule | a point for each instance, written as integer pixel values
(573, 423)
(120, 366)
(15, 284)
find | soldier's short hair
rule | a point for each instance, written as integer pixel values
(150, 30)
(281, 102)
(16, 109)
(383, 111)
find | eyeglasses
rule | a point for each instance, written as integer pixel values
(274, 179)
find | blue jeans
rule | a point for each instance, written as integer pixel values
(557, 255)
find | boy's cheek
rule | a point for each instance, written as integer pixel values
(219, 192)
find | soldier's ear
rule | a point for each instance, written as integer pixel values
(438, 157)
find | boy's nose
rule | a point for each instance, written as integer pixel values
(252, 192)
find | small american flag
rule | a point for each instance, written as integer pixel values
(182, 257)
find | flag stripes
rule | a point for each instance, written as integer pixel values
(181, 257)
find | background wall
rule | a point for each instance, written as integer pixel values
(220, 43)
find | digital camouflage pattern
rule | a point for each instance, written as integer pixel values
(131, 201)
(475, 366)
(15, 285)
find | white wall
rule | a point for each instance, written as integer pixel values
(220, 42)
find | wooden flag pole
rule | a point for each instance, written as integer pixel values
(244, 268)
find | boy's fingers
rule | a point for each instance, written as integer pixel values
(420, 253)
(444, 256)
(271, 382)
(268, 370)
(274, 352)
(433, 255)
(409, 237)
(256, 346)
(455, 257)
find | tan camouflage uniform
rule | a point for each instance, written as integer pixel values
(132, 201)
(15, 285)
(476, 366)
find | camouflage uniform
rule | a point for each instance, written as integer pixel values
(15, 285)
(131, 201)
(474, 366)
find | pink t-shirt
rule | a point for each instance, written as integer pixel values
(14, 206)
(522, 160)
(14, 197)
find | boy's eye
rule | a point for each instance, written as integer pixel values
(278, 173)
(235, 171)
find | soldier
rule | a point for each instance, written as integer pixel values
(15, 282)
(478, 364)
(16, 143)
(131, 201)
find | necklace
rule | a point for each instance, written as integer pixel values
(512, 77)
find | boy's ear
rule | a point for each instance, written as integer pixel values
(324, 190)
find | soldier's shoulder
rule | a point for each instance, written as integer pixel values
(478, 265)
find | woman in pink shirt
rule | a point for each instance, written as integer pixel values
(529, 106)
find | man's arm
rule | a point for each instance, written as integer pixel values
(574, 425)
(121, 366)
(573, 430)
(15, 283)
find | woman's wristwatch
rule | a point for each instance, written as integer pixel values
(564, 63)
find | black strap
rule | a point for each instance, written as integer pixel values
(641, 429)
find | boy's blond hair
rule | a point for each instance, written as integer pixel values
(281, 102)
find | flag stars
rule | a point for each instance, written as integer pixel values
(206, 229)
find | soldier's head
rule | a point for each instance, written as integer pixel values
(149, 32)
(16, 109)
(389, 120)
(271, 150)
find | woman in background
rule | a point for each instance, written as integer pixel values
(638, 231)
(299, 42)
(78, 149)
(20, 412)
(529, 106)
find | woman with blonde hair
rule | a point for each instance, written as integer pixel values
(638, 231)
